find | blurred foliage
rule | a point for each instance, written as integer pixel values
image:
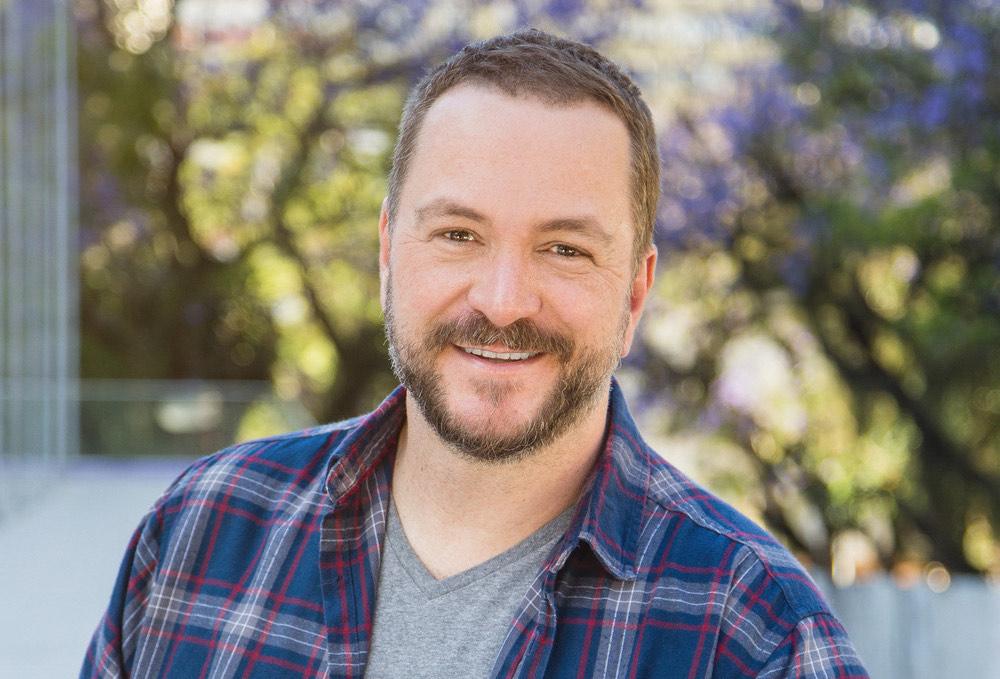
(823, 343)
(231, 178)
(830, 289)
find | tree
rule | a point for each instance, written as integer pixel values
(232, 175)
(829, 298)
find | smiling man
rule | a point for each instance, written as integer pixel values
(498, 515)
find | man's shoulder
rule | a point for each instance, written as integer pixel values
(265, 472)
(709, 569)
(697, 535)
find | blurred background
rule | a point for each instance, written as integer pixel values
(189, 194)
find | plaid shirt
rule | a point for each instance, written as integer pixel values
(263, 561)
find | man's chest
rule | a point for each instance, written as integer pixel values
(264, 627)
(233, 596)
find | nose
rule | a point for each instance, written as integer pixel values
(505, 290)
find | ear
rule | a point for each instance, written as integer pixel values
(641, 285)
(383, 249)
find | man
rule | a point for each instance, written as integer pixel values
(500, 516)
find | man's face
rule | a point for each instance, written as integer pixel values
(508, 282)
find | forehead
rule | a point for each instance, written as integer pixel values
(516, 157)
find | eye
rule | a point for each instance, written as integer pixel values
(459, 236)
(566, 251)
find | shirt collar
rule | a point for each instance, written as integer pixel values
(359, 453)
(610, 507)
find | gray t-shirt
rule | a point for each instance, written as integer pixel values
(453, 627)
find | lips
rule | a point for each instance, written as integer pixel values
(499, 355)
(521, 340)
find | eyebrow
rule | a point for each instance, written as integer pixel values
(586, 226)
(442, 207)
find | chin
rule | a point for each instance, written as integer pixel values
(487, 401)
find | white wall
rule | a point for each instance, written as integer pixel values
(916, 633)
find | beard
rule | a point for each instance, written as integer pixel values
(582, 375)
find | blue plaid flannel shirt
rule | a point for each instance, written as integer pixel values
(263, 561)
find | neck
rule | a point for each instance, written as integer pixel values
(458, 512)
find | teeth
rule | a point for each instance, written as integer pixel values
(511, 356)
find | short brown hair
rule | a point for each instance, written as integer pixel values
(559, 72)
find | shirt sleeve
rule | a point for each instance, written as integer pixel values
(818, 646)
(113, 645)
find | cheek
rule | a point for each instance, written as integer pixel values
(423, 288)
(588, 304)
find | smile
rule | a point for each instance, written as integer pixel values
(499, 355)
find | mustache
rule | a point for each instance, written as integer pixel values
(521, 335)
